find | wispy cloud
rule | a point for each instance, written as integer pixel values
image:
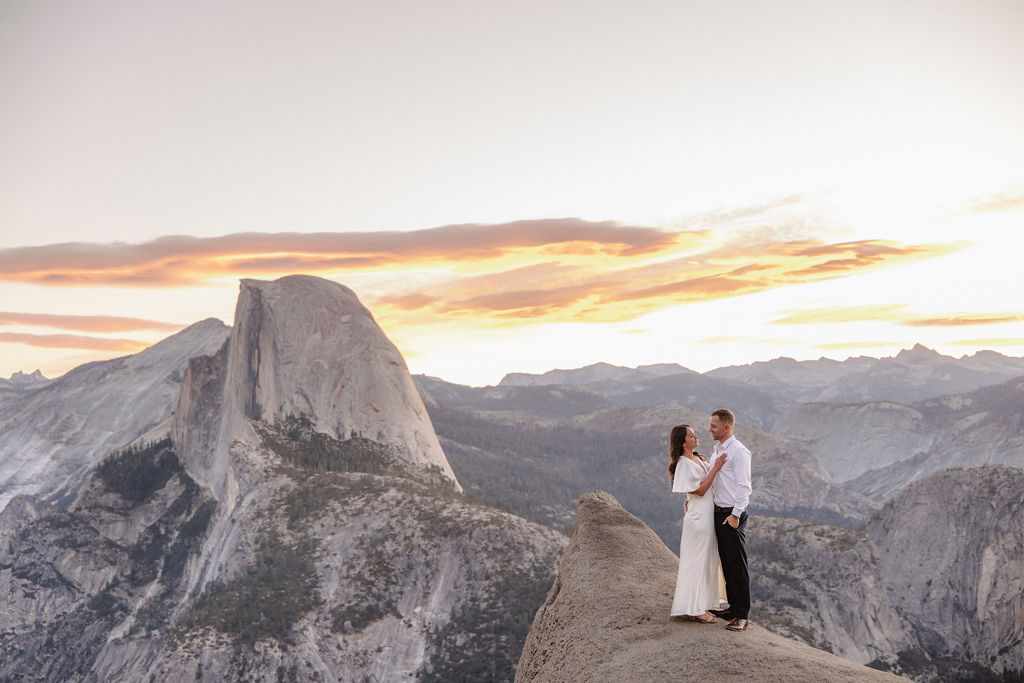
(845, 314)
(84, 323)
(74, 341)
(967, 320)
(998, 203)
(895, 313)
(990, 342)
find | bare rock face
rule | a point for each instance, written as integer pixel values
(853, 439)
(53, 433)
(302, 348)
(877, 449)
(932, 589)
(607, 619)
(821, 584)
(965, 595)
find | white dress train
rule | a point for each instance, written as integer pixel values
(700, 584)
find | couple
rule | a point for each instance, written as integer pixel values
(712, 543)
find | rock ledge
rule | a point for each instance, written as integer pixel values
(607, 619)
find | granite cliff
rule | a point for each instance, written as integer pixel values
(54, 432)
(296, 519)
(931, 588)
(877, 449)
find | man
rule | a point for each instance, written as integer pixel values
(732, 493)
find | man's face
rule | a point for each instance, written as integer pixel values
(718, 429)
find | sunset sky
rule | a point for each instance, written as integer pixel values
(518, 186)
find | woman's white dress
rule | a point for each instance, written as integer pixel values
(700, 585)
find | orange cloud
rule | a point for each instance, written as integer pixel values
(84, 323)
(706, 287)
(545, 270)
(181, 260)
(533, 301)
(966, 320)
(621, 288)
(74, 341)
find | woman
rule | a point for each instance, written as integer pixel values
(699, 579)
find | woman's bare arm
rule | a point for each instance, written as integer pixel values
(705, 484)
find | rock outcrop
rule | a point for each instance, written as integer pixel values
(607, 619)
(301, 348)
(53, 433)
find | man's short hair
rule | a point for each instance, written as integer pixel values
(725, 415)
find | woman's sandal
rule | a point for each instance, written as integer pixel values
(706, 618)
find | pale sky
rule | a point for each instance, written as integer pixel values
(518, 186)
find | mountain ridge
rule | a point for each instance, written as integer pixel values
(52, 436)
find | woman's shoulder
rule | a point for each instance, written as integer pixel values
(694, 462)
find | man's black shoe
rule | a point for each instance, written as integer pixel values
(721, 613)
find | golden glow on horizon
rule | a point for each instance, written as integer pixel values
(429, 287)
(489, 283)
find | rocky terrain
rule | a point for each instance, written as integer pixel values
(53, 433)
(823, 579)
(877, 449)
(606, 618)
(951, 554)
(271, 502)
(295, 520)
(933, 587)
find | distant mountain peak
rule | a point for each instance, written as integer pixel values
(919, 352)
(19, 378)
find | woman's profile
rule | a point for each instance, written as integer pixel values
(699, 582)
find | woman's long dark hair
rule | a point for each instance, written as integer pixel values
(676, 441)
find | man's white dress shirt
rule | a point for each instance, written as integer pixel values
(732, 485)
